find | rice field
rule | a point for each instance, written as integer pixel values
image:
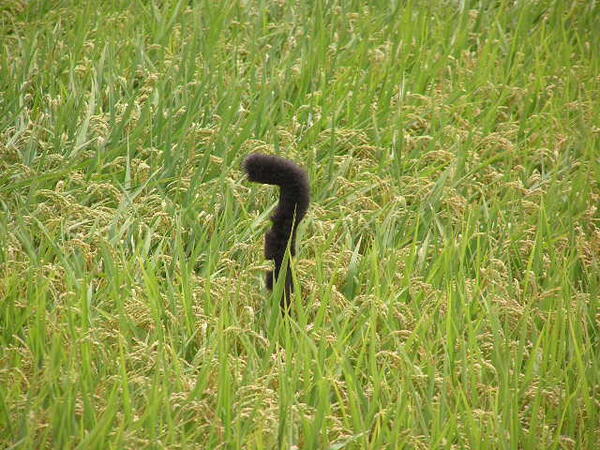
(449, 264)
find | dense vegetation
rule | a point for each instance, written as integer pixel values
(449, 263)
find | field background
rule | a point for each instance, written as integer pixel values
(449, 263)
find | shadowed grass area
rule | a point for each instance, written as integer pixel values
(449, 261)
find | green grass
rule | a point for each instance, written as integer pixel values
(449, 263)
